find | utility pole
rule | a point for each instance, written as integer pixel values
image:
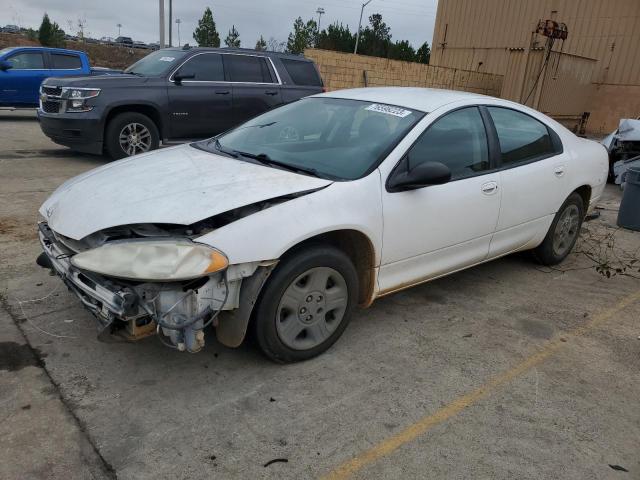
(355, 50)
(178, 22)
(119, 27)
(320, 12)
(170, 22)
(161, 11)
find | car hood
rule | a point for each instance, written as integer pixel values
(180, 185)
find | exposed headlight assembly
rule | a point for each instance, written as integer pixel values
(77, 98)
(152, 260)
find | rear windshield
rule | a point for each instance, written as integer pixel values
(302, 73)
(156, 63)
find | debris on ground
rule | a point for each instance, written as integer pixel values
(276, 460)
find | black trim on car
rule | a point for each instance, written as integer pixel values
(556, 142)
(495, 153)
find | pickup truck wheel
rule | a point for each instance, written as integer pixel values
(130, 133)
(306, 304)
(563, 233)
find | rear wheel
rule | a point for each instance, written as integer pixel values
(306, 305)
(563, 233)
(130, 133)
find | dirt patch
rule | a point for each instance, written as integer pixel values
(16, 230)
(110, 56)
(14, 356)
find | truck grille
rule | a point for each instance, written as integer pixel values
(50, 106)
(53, 91)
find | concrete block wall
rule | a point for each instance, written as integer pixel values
(346, 70)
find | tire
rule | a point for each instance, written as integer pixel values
(314, 313)
(563, 232)
(124, 124)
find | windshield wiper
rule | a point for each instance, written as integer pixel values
(220, 148)
(267, 160)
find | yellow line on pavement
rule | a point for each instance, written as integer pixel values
(413, 431)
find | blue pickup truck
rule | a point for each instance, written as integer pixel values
(22, 70)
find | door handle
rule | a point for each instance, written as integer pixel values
(559, 170)
(271, 92)
(222, 92)
(489, 188)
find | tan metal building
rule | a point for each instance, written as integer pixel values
(595, 70)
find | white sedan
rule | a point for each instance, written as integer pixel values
(287, 222)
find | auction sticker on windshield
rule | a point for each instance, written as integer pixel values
(167, 59)
(389, 110)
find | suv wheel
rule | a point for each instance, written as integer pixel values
(130, 133)
(563, 233)
(306, 304)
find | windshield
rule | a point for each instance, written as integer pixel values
(329, 137)
(156, 63)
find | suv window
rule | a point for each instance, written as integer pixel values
(302, 73)
(27, 61)
(206, 67)
(458, 140)
(64, 61)
(246, 68)
(522, 138)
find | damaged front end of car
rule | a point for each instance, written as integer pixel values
(141, 280)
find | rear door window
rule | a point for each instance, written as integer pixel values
(206, 67)
(247, 69)
(27, 61)
(522, 138)
(302, 73)
(63, 61)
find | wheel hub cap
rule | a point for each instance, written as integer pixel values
(311, 308)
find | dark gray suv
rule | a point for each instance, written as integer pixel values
(172, 94)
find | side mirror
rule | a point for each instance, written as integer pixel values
(179, 77)
(422, 175)
(5, 65)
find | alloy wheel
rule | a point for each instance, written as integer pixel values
(135, 138)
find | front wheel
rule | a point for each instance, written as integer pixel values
(563, 233)
(130, 133)
(306, 304)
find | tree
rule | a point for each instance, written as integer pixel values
(424, 53)
(402, 51)
(303, 35)
(206, 34)
(50, 34)
(336, 37)
(274, 45)
(375, 39)
(261, 44)
(233, 38)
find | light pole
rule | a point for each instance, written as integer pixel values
(161, 11)
(178, 22)
(320, 12)
(119, 27)
(170, 21)
(355, 50)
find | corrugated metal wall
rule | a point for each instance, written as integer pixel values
(497, 36)
(485, 30)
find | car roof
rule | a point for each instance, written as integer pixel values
(251, 51)
(424, 99)
(53, 49)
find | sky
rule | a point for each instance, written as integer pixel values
(411, 20)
